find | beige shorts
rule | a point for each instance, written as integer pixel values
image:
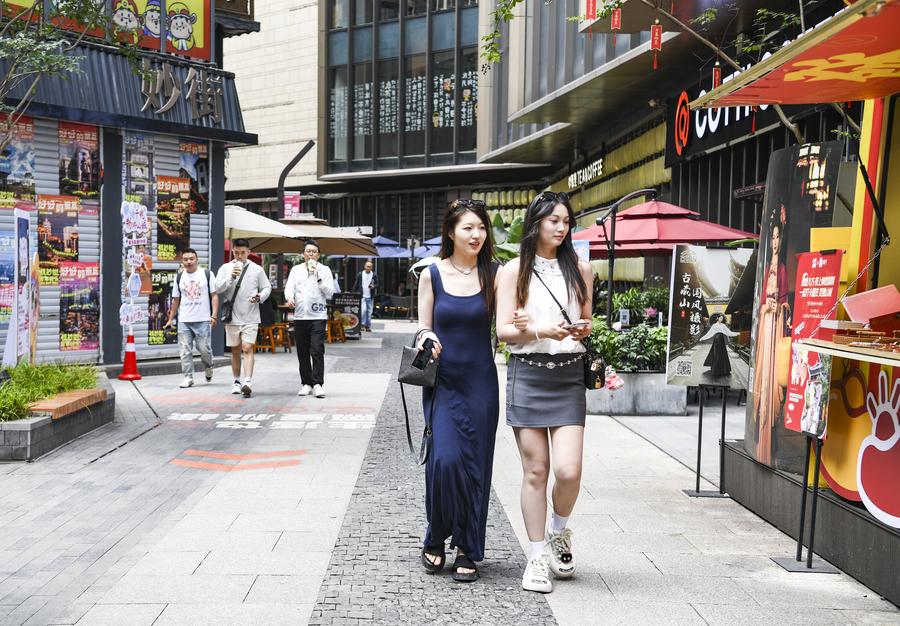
(236, 334)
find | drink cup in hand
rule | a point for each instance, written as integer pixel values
(235, 270)
(311, 265)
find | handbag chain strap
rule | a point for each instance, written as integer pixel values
(562, 310)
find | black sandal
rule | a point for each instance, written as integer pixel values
(433, 567)
(464, 562)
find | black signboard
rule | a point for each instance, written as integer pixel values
(347, 307)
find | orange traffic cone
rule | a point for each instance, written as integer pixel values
(129, 369)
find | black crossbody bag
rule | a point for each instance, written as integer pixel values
(426, 377)
(594, 363)
(226, 311)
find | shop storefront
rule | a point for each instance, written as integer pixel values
(90, 147)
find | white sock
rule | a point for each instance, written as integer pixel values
(537, 549)
(557, 524)
(246, 381)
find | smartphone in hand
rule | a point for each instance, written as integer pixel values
(424, 355)
(577, 325)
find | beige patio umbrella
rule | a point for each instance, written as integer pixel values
(269, 236)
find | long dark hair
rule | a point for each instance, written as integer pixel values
(541, 207)
(455, 211)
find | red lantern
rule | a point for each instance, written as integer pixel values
(717, 75)
(615, 23)
(656, 41)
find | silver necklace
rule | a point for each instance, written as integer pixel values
(463, 272)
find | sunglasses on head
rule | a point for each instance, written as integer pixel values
(468, 203)
(561, 196)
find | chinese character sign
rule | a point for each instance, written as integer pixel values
(818, 280)
(79, 160)
(173, 217)
(7, 278)
(137, 169)
(707, 334)
(346, 308)
(79, 306)
(57, 234)
(160, 302)
(194, 165)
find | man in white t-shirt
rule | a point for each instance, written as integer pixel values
(196, 303)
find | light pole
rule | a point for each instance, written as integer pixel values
(411, 244)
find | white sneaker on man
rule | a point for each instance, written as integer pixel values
(562, 561)
(236, 387)
(187, 382)
(318, 391)
(305, 390)
(537, 575)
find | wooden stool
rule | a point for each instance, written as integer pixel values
(265, 339)
(334, 331)
(283, 336)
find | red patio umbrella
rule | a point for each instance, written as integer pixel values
(651, 227)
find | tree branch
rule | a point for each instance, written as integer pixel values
(795, 130)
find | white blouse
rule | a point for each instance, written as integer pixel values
(543, 311)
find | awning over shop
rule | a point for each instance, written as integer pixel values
(852, 56)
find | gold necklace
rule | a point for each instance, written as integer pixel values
(463, 272)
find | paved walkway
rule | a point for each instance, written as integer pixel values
(205, 508)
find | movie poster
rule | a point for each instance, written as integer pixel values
(160, 303)
(79, 306)
(194, 165)
(708, 335)
(800, 191)
(17, 165)
(173, 217)
(7, 278)
(137, 169)
(23, 270)
(816, 292)
(57, 234)
(79, 161)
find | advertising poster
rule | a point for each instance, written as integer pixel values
(17, 165)
(7, 279)
(23, 271)
(707, 339)
(173, 217)
(57, 234)
(135, 247)
(158, 311)
(800, 194)
(137, 169)
(79, 306)
(816, 292)
(347, 307)
(34, 289)
(194, 165)
(79, 160)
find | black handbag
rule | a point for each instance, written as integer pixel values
(226, 310)
(594, 363)
(426, 377)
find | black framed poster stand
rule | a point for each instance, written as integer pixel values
(697, 492)
(796, 564)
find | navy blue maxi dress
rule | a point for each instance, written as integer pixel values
(464, 423)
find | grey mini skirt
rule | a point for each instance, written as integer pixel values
(547, 395)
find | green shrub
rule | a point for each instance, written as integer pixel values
(639, 299)
(641, 348)
(30, 383)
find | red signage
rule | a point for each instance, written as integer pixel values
(591, 12)
(818, 281)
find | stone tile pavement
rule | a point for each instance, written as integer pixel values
(205, 508)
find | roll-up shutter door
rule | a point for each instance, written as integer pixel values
(166, 157)
(46, 148)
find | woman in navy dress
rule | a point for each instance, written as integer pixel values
(456, 305)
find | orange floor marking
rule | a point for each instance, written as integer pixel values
(243, 457)
(221, 467)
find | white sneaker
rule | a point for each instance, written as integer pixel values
(209, 373)
(236, 387)
(318, 391)
(305, 390)
(187, 382)
(537, 575)
(562, 561)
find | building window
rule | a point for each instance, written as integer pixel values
(443, 31)
(337, 114)
(388, 9)
(443, 84)
(416, 7)
(388, 83)
(337, 48)
(338, 14)
(362, 111)
(362, 13)
(442, 5)
(468, 103)
(389, 40)
(414, 69)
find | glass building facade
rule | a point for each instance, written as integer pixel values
(401, 83)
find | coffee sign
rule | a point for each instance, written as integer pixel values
(586, 174)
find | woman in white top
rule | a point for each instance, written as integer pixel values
(545, 394)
